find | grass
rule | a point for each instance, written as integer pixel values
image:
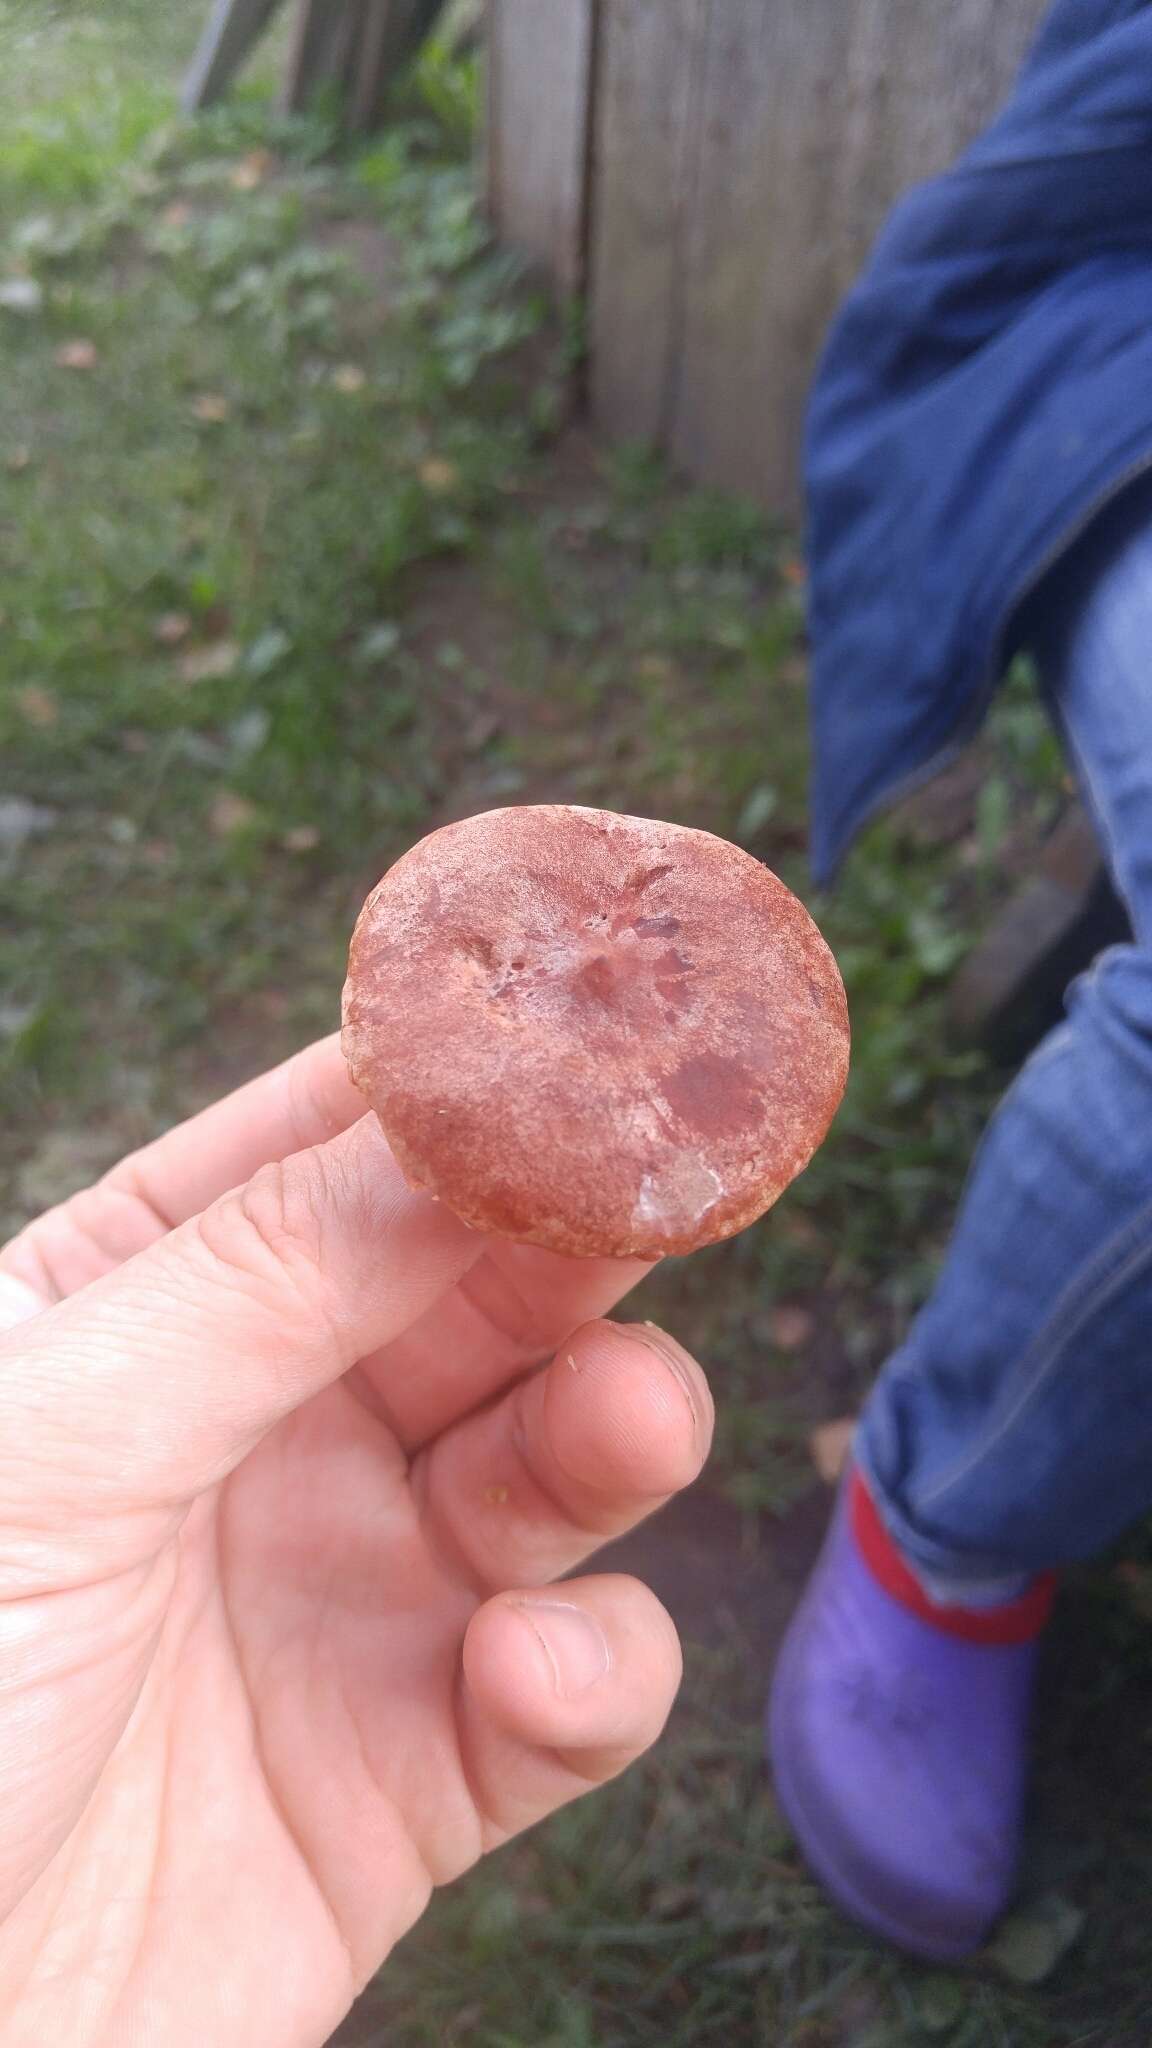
(297, 564)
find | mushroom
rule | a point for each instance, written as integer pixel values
(602, 1034)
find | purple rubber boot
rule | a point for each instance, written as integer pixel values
(899, 1743)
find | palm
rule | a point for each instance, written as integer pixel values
(290, 1761)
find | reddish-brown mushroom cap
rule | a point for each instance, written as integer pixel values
(602, 1034)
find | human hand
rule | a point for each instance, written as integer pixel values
(284, 1483)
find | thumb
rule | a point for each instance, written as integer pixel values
(152, 1383)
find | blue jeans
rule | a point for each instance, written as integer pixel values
(1012, 1431)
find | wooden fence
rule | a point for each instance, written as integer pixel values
(711, 174)
(352, 49)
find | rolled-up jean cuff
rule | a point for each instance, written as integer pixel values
(948, 1577)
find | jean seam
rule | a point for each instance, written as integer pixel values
(1098, 813)
(1081, 1300)
(1093, 641)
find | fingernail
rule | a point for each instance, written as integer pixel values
(676, 1359)
(573, 1641)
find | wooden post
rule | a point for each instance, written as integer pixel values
(1010, 990)
(645, 153)
(233, 29)
(392, 33)
(326, 51)
(372, 71)
(310, 60)
(358, 46)
(540, 78)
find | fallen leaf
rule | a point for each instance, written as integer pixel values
(230, 813)
(758, 808)
(15, 1018)
(656, 668)
(21, 820)
(794, 572)
(1136, 1580)
(348, 377)
(268, 648)
(247, 734)
(481, 731)
(134, 741)
(156, 852)
(378, 641)
(501, 782)
(1032, 1942)
(18, 460)
(77, 355)
(208, 664)
(829, 1448)
(38, 706)
(211, 407)
(21, 294)
(251, 170)
(301, 839)
(793, 671)
(800, 1229)
(172, 627)
(791, 1327)
(177, 215)
(941, 2004)
(438, 475)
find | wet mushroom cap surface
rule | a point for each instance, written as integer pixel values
(603, 1034)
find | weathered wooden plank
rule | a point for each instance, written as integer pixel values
(231, 32)
(759, 251)
(348, 46)
(814, 119)
(373, 62)
(316, 53)
(1010, 990)
(540, 55)
(651, 55)
(392, 32)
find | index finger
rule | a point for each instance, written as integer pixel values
(305, 1101)
(160, 1378)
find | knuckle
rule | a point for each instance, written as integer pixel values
(304, 1109)
(269, 1234)
(130, 1182)
(272, 1213)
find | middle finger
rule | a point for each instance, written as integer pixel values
(502, 1320)
(522, 1491)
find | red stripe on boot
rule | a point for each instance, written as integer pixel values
(1015, 1621)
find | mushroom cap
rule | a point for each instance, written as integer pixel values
(602, 1034)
